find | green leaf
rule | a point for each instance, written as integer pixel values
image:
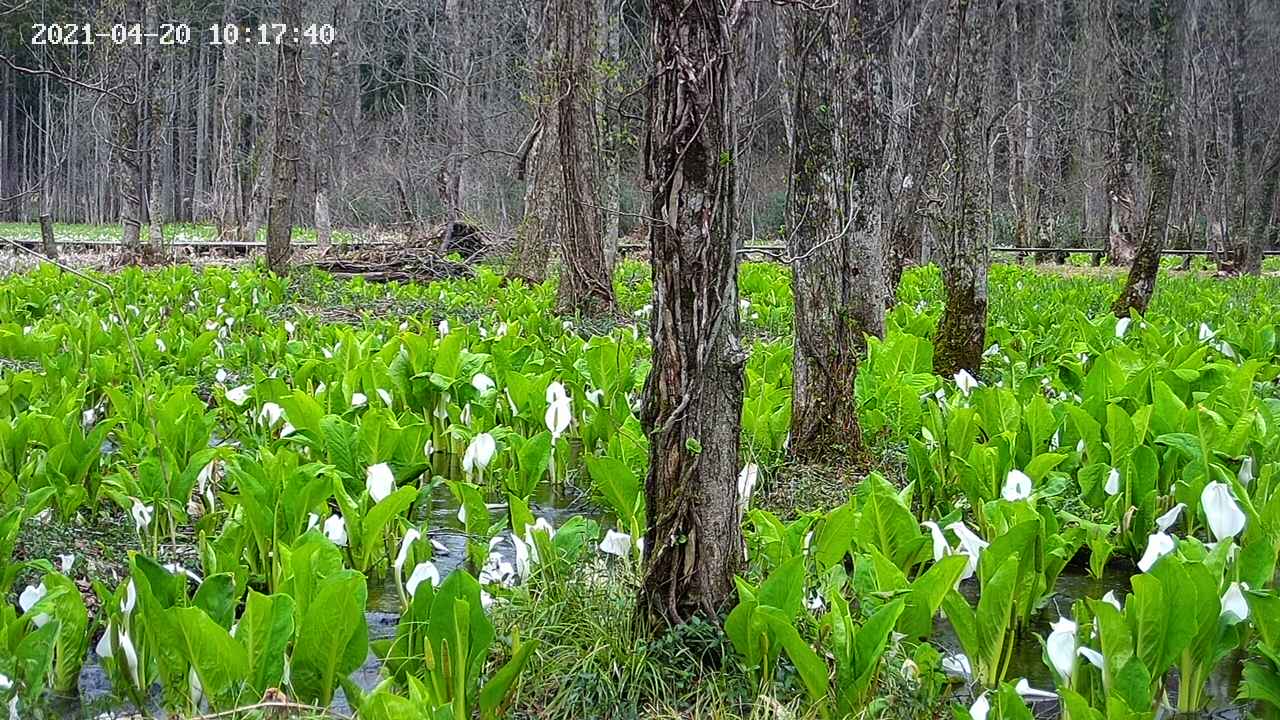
(219, 661)
(265, 629)
(333, 638)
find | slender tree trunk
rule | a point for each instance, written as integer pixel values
(1244, 247)
(693, 396)
(833, 225)
(962, 237)
(586, 278)
(453, 180)
(1160, 137)
(226, 181)
(284, 173)
(126, 117)
(156, 114)
(540, 163)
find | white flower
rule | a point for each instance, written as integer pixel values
(555, 393)
(409, 539)
(1246, 471)
(444, 326)
(482, 383)
(992, 351)
(1017, 486)
(385, 396)
(941, 548)
(312, 520)
(1158, 545)
(1206, 332)
(1234, 607)
(5, 683)
(423, 572)
(220, 376)
(970, 544)
(746, 483)
(1224, 516)
(142, 514)
(814, 603)
(557, 416)
(479, 453)
(980, 707)
(1024, 689)
(359, 399)
(130, 598)
(103, 648)
(1166, 521)
(1112, 486)
(1111, 599)
(1122, 326)
(1080, 445)
(593, 397)
(197, 690)
(130, 656)
(380, 481)
(289, 327)
(66, 562)
(238, 395)
(441, 412)
(160, 345)
(616, 543)
(466, 415)
(957, 665)
(28, 599)
(523, 560)
(270, 414)
(1093, 656)
(335, 528)
(1061, 647)
(965, 382)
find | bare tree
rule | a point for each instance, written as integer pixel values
(538, 158)
(693, 396)
(956, 213)
(1159, 140)
(286, 147)
(833, 234)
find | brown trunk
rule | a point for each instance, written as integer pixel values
(957, 218)
(157, 115)
(693, 396)
(540, 164)
(126, 105)
(586, 279)
(227, 204)
(284, 171)
(1244, 248)
(1159, 137)
(47, 242)
(833, 229)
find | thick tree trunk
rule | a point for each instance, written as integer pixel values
(284, 172)
(48, 245)
(586, 278)
(962, 237)
(1160, 136)
(126, 117)
(693, 396)
(833, 225)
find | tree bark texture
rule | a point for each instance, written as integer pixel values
(1160, 139)
(286, 148)
(693, 396)
(833, 222)
(540, 163)
(956, 213)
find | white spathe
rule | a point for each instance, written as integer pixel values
(1112, 485)
(482, 383)
(1061, 647)
(1167, 520)
(980, 707)
(747, 478)
(380, 481)
(965, 382)
(335, 528)
(1122, 326)
(66, 562)
(1093, 656)
(479, 453)
(1017, 486)
(971, 545)
(558, 415)
(1246, 471)
(270, 414)
(1224, 516)
(616, 543)
(1234, 606)
(142, 514)
(940, 545)
(425, 571)
(402, 556)
(28, 599)
(359, 399)
(1158, 545)
(238, 395)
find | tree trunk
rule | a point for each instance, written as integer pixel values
(284, 171)
(540, 163)
(1244, 248)
(693, 396)
(457, 102)
(227, 205)
(156, 114)
(1159, 136)
(126, 117)
(833, 225)
(586, 279)
(48, 244)
(962, 237)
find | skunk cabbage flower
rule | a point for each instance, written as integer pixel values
(380, 481)
(409, 539)
(1061, 647)
(1234, 607)
(1112, 486)
(359, 400)
(1024, 689)
(1246, 471)
(940, 546)
(142, 514)
(482, 383)
(971, 545)
(1158, 545)
(1224, 516)
(1167, 520)
(28, 599)
(238, 395)
(1093, 656)
(746, 483)
(160, 345)
(616, 543)
(385, 396)
(965, 382)
(444, 327)
(980, 707)
(1017, 486)
(558, 416)
(593, 397)
(1206, 332)
(423, 572)
(1111, 599)
(220, 376)
(66, 562)
(1122, 326)
(270, 414)
(479, 453)
(335, 528)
